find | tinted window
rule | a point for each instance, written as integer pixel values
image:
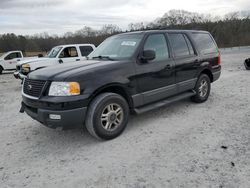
(86, 50)
(19, 55)
(190, 47)
(13, 56)
(205, 43)
(179, 45)
(69, 52)
(157, 43)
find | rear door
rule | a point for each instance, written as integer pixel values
(156, 78)
(186, 61)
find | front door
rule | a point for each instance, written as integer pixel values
(11, 60)
(156, 78)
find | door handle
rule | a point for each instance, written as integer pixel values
(18, 60)
(168, 67)
(77, 59)
(197, 61)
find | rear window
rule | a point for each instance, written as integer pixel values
(179, 45)
(86, 50)
(205, 43)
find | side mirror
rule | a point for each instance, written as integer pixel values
(148, 55)
(40, 55)
(60, 61)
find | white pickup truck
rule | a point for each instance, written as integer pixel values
(8, 60)
(58, 55)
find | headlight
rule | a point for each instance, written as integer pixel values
(26, 68)
(64, 89)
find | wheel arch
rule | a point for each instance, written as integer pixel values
(1, 69)
(208, 72)
(114, 88)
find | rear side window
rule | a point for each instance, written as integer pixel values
(190, 47)
(86, 50)
(179, 45)
(205, 43)
(19, 55)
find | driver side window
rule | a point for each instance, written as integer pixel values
(12, 56)
(157, 42)
(69, 52)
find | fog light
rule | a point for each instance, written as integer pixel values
(55, 117)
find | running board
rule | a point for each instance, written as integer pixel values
(165, 102)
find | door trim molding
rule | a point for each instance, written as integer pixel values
(141, 99)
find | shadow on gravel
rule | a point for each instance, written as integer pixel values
(39, 140)
(81, 135)
(48, 141)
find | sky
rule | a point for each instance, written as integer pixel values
(60, 16)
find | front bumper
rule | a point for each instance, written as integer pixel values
(19, 75)
(69, 118)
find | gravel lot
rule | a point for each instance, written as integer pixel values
(182, 145)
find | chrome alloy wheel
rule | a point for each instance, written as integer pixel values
(112, 117)
(203, 88)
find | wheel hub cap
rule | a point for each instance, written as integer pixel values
(112, 117)
(203, 89)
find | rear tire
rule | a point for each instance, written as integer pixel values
(107, 116)
(202, 89)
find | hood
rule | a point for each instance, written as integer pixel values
(32, 60)
(61, 72)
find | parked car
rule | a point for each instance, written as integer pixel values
(128, 73)
(58, 55)
(247, 64)
(8, 60)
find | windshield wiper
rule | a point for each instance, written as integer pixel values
(103, 57)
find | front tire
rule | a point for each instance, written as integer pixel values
(1, 69)
(202, 89)
(247, 64)
(107, 116)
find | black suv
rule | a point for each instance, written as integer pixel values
(128, 73)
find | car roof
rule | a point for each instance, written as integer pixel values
(167, 31)
(14, 51)
(69, 45)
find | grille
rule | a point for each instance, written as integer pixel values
(33, 87)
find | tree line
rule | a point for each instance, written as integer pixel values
(231, 30)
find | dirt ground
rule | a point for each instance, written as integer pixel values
(182, 145)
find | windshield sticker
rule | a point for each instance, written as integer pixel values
(128, 43)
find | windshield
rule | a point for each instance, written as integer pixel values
(117, 47)
(53, 53)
